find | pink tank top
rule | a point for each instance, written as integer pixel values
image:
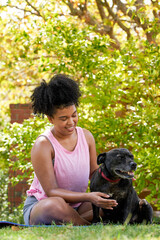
(72, 168)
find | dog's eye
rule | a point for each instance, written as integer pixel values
(119, 162)
(119, 156)
(119, 159)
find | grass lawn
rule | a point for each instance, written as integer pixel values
(99, 232)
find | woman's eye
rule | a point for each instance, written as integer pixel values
(63, 119)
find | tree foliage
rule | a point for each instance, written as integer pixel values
(116, 17)
(35, 34)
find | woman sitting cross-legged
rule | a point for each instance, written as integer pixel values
(63, 158)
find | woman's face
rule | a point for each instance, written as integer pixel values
(65, 120)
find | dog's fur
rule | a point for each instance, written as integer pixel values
(118, 165)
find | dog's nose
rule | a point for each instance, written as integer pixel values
(133, 165)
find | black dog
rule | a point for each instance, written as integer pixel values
(114, 177)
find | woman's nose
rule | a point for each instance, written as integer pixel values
(70, 121)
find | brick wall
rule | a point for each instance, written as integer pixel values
(19, 112)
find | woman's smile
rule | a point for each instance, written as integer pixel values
(70, 129)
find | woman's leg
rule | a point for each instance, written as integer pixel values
(55, 209)
(85, 211)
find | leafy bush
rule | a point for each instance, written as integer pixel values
(3, 194)
(15, 146)
(7, 213)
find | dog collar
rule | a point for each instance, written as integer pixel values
(108, 179)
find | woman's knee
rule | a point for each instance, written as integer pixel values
(54, 204)
(48, 210)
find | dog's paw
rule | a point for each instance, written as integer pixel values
(143, 202)
(96, 221)
(146, 211)
(95, 224)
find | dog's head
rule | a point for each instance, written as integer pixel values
(119, 162)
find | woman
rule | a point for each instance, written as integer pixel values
(63, 158)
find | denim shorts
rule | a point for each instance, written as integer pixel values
(28, 205)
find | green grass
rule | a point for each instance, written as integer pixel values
(100, 232)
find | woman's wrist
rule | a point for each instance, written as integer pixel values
(88, 197)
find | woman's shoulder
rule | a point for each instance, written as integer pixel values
(88, 135)
(42, 139)
(41, 144)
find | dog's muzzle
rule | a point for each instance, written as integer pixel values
(133, 166)
(126, 173)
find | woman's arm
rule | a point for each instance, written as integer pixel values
(92, 151)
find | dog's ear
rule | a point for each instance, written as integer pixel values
(101, 158)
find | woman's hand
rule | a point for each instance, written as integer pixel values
(101, 200)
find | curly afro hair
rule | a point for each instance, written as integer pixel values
(61, 91)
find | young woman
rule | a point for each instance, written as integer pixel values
(63, 158)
